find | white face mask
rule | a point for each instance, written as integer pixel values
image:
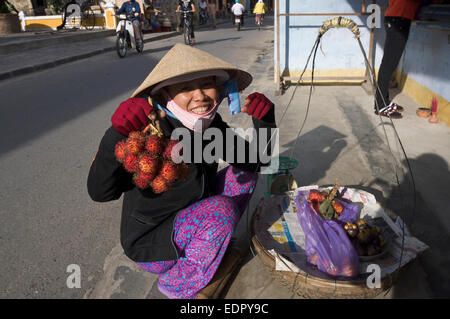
(194, 122)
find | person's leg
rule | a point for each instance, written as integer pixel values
(157, 267)
(397, 31)
(192, 32)
(213, 17)
(236, 184)
(202, 234)
(137, 31)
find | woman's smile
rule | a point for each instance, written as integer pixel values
(201, 109)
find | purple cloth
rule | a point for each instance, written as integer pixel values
(327, 244)
(202, 233)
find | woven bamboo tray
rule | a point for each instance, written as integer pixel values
(307, 285)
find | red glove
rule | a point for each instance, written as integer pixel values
(257, 105)
(131, 115)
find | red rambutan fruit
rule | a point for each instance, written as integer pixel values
(138, 136)
(169, 171)
(142, 180)
(121, 151)
(148, 164)
(167, 154)
(154, 145)
(131, 163)
(135, 146)
(159, 184)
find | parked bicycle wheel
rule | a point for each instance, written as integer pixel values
(121, 45)
(87, 18)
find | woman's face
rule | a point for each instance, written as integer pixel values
(195, 96)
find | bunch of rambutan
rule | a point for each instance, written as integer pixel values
(148, 158)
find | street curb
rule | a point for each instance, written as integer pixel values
(48, 65)
(62, 38)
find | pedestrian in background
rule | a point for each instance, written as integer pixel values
(397, 21)
(212, 12)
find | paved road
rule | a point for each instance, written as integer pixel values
(52, 122)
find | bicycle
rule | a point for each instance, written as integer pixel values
(87, 14)
(187, 27)
(259, 20)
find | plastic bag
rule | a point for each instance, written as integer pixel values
(327, 244)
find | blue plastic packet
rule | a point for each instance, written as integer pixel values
(232, 94)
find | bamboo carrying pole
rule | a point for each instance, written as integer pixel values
(279, 79)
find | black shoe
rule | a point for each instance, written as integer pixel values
(389, 112)
(396, 107)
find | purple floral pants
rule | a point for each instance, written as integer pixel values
(202, 232)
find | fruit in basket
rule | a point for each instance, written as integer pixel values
(338, 208)
(361, 223)
(324, 204)
(360, 249)
(351, 229)
(315, 196)
(368, 241)
(364, 236)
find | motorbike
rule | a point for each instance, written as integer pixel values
(237, 22)
(125, 36)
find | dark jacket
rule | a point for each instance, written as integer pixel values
(146, 230)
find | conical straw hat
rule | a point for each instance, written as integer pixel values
(183, 59)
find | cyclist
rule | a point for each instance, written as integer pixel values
(187, 5)
(238, 10)
(132, 10)
(202, 5)
(259, 11)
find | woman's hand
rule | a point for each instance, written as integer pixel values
(131, 115)
(259, 106)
